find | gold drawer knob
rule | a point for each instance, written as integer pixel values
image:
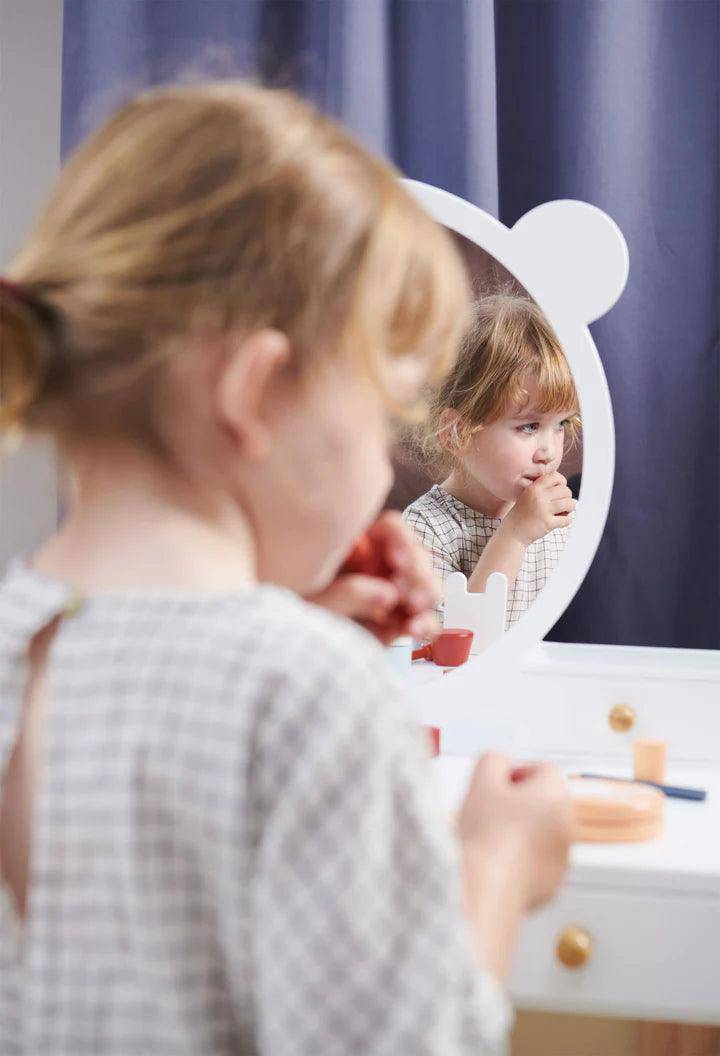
(574, 947)
(621, 718)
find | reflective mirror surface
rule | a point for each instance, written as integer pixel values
(489, 481)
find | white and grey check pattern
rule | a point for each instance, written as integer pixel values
(238, 844)
(455, 536)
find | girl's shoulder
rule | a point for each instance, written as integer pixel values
(263, 629)
(230, 665)
(292, 661)
(436, 508)
(431, 502)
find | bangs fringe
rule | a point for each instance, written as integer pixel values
(550, 369)
(556, 387)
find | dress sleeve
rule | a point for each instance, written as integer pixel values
(359, 943)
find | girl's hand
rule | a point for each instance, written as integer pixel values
(544, 505)
(390, 588)
(515, 829)
(518, 820)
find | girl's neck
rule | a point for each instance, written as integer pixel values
(474, 495)
(134, 525)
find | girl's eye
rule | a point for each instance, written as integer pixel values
(564, 423)
(529, 428)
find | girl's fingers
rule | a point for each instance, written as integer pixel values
(419, 599)
(560, 495)
(390, 532)
(412, 571)
(420, 595)
(422, 627)
(491, 773)
(359, 597)
(399, 546)
(551, 481)
(567, 502)
(418, 627)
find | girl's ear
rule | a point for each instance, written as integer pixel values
(245, 383)
(448, 433)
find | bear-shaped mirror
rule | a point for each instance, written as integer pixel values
(569, 261)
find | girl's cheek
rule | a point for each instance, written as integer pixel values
(522, 447)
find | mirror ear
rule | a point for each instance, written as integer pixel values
(244, 387)
(588, 267)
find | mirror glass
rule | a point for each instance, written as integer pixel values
(489, 480)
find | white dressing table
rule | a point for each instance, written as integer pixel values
(651, 912)
(643, 919)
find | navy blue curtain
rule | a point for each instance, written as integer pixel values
(510, 104)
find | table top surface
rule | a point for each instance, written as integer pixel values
(684, 860)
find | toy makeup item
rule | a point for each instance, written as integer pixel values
(615, 811)
(699, 795)
(364, 560)
(451, 648)
(650, 761)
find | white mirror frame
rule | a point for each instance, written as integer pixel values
(573, 261)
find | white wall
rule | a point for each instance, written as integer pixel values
(30, 86)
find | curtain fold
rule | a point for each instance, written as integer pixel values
(510, 104)
(617, 104)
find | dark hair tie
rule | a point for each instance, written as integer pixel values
(50, 322)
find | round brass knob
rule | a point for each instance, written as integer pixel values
(621, 718)
(574, 947)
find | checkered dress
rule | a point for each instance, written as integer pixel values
(456, 535)
(237, 845)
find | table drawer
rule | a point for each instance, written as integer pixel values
(652, 957)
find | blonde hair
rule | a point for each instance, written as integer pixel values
(201, 211)
(509, 340)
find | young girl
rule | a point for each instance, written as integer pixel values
(215, 835)
(497, 431)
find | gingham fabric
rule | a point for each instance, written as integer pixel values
(238, 845)
(456, 535)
